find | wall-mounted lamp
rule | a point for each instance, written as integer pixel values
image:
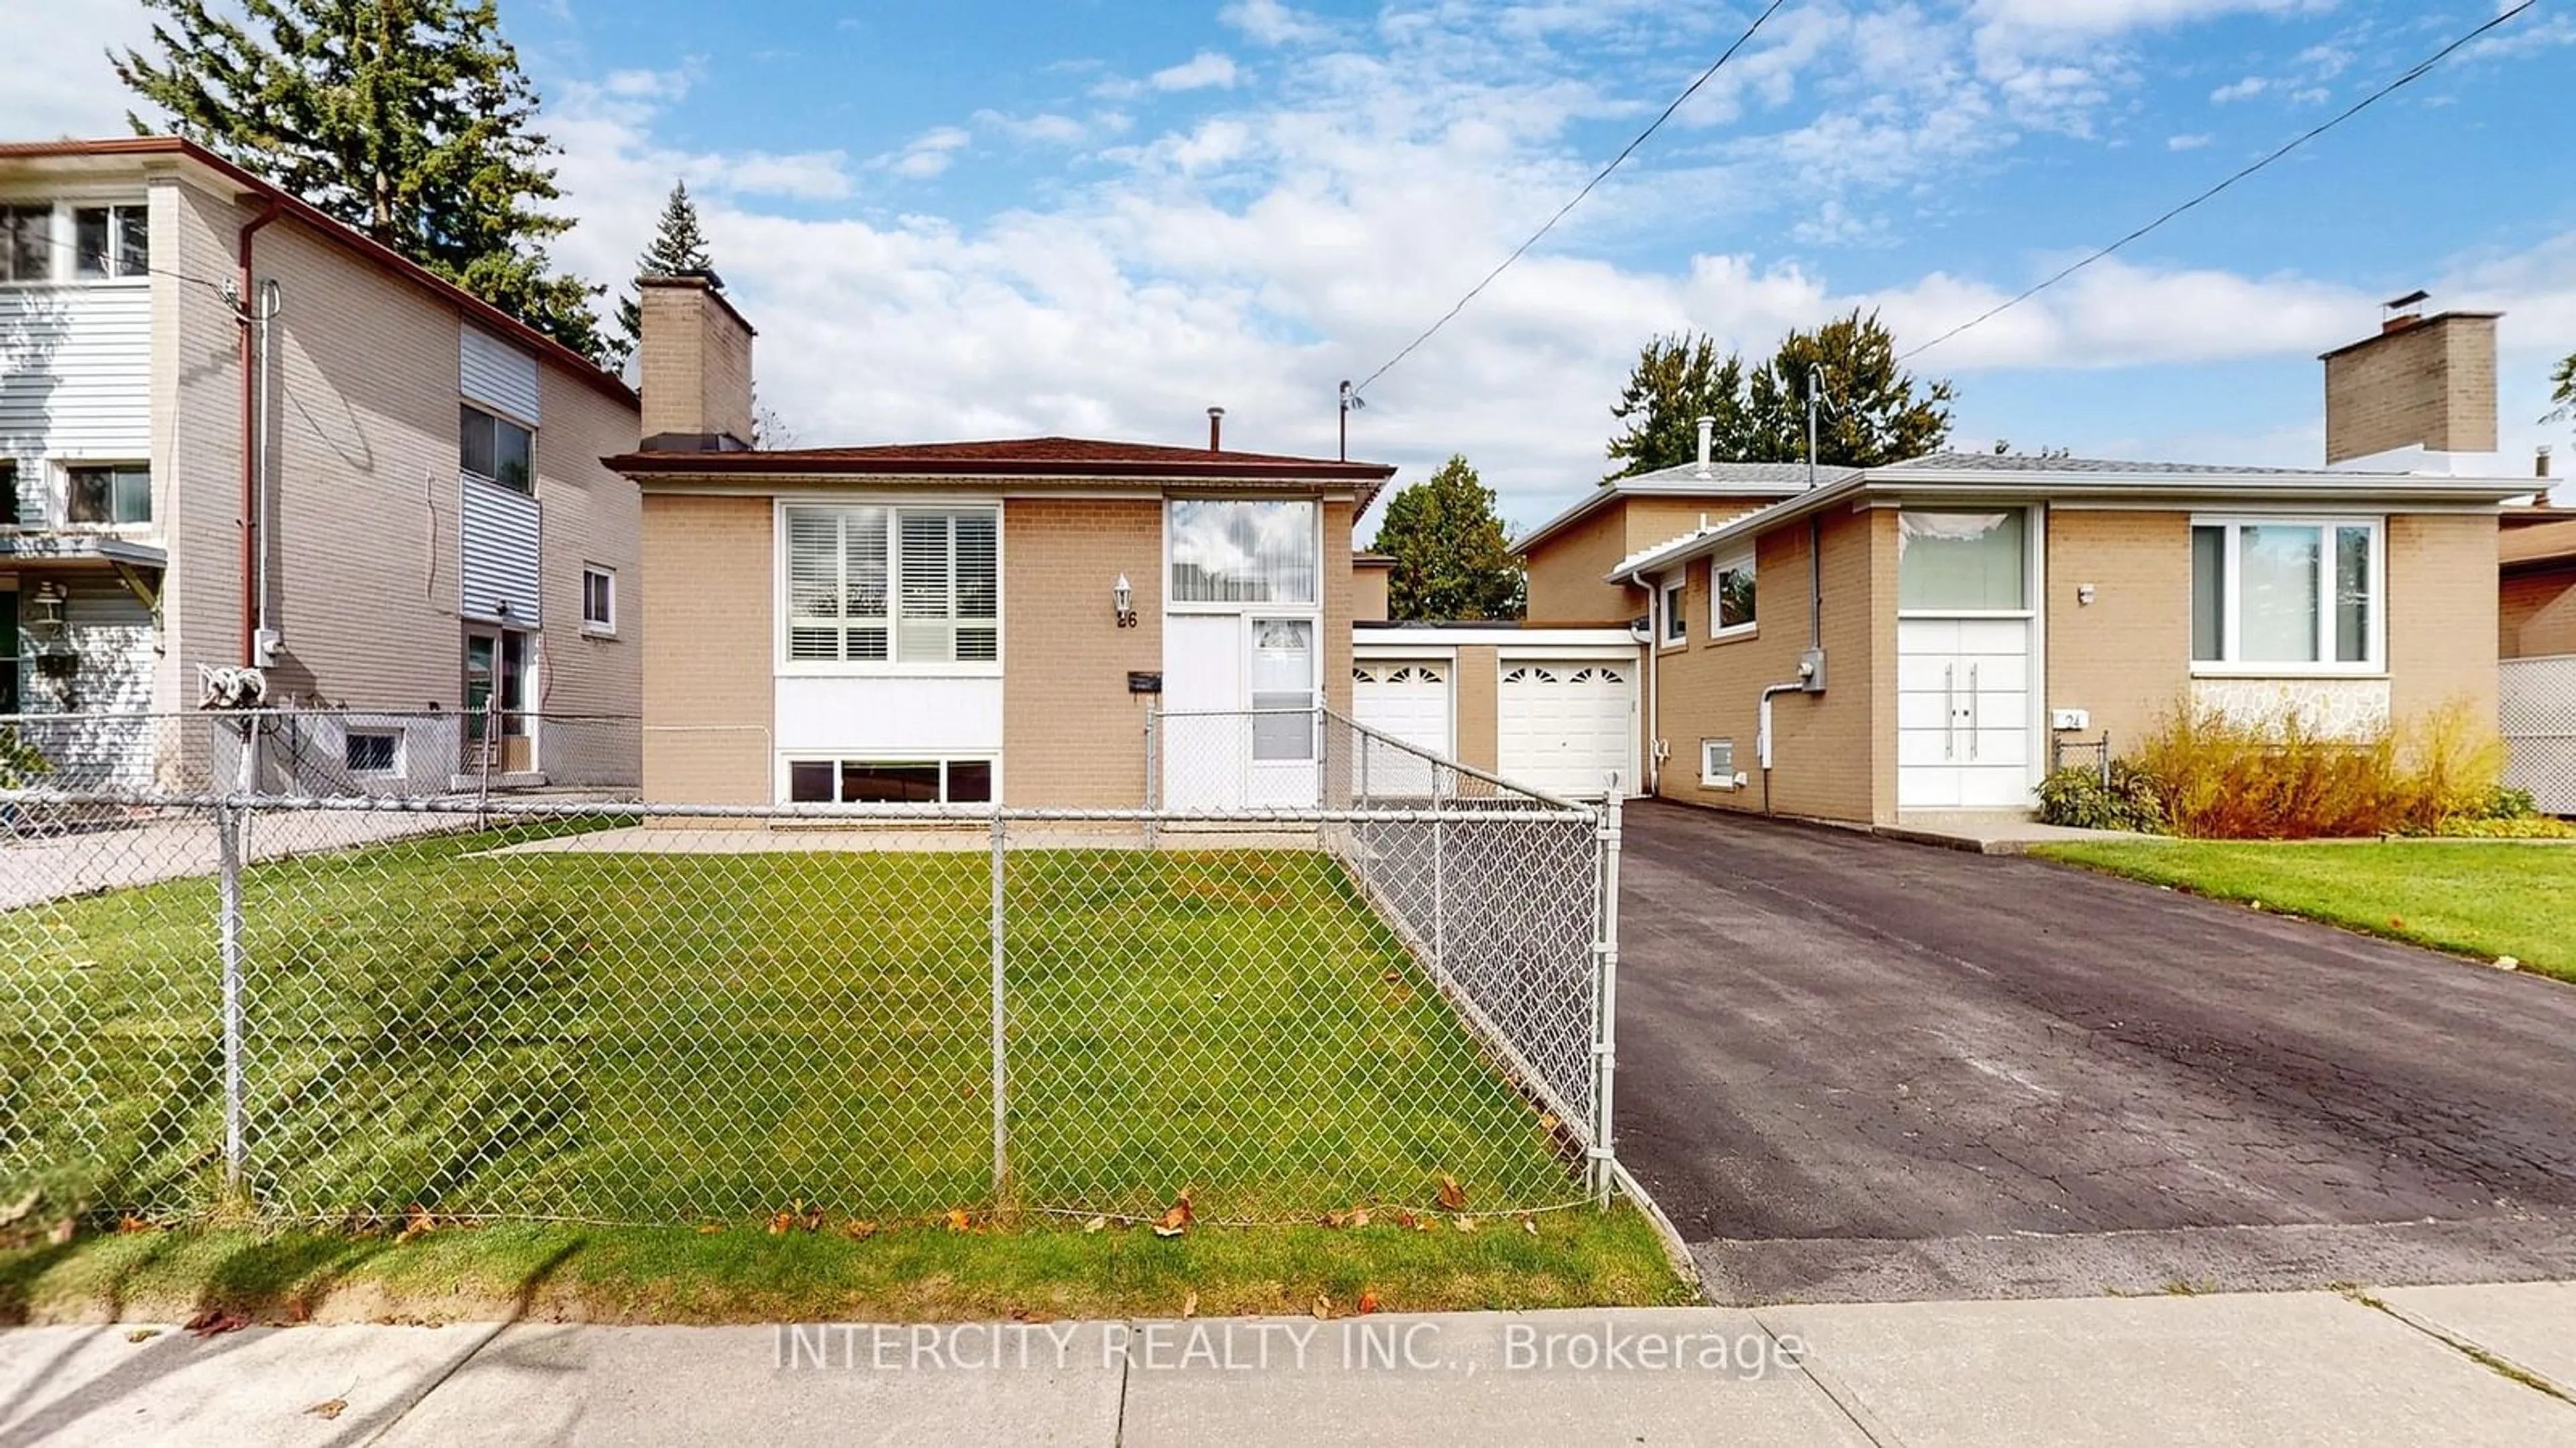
(49, 599)
(2084, 594)
(1122, 596)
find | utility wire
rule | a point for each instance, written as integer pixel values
(1588, 188)
(62, 243)
(2420, 70)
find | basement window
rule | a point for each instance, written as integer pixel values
(1717, 763)
(876, 781)
(372, 752)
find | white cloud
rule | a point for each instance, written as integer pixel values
(1045, 128)
(2107, 17)
(1272, 23)
(63, 89)
(2243, 90)
(2188, 143)
(1205, 70)
(928, 154)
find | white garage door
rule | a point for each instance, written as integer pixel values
(1567, 726)
(1407, 700)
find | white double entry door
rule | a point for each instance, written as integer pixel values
(1239, 729)
(1963, 713)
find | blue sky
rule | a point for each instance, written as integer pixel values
(984, 217)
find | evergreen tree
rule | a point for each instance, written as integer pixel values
(408, 120)
(1875, 412)
(678, 246)
(1677, 381)
(1452, 560)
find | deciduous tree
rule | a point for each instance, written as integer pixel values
(1452, 560)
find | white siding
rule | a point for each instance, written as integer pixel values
(497, 375)
(499, 550)
(75, 380)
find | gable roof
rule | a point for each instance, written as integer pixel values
(1022, 457)
(480, 312)
(1689, 480)
(2537, 536)
(1972, 477)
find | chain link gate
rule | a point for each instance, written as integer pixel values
(338, 1009)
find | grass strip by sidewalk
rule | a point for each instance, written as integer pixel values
(2478, 899)
(1573, 1258)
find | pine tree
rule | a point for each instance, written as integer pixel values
(1452, 560)
(408, 120)
(678, 246)
(1875, 412)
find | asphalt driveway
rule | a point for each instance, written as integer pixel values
(1853, 1068)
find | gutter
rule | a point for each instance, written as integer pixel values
(254, 551)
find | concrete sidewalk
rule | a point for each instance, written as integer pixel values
(2458, 1365)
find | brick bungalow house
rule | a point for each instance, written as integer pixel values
(1915, 637)
(970, 621)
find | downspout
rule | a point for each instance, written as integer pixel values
(264, 642)
(252, 549)
(1654, 688)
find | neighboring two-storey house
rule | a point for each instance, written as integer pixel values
(234, 431)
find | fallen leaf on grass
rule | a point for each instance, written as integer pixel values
(416, 1224)
(1096, 1224)
(132, 1223)
(214, 1321)
(957, 1220)
(328, 1409)
(143, 1334)
(1368, 1302)
(61, 1233)
(1404, 1218)
(1452, 1195)
(1190, 1305)
(1529, 1224)
(1466, 1224)
(709, 1229)
(15, 1211)
(859, 1231)
(1323, 1309)
(1176, 1220)
(2396, 922)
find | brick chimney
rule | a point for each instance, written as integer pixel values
(695, 361)
(2427, 382)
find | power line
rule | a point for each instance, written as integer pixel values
(1588, 188)
(2420, 70)
(62, 243)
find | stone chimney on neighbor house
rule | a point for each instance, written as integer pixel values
(695, 364)
(2422, 382)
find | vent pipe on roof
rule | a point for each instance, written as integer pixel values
(1707, 429)
(2540, 462)
(1216, 429)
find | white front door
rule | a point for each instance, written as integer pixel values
(1567, 727)
(1963, 713)
(1238, 727)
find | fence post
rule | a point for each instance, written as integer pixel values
(232, 842)
(1153, 772)
(1605, 955)
(1001, 1076)
(1439, 872)
(1364, 771)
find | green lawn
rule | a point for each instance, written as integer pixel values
(2482, 899)
(1579, 1258)
(677, 1039)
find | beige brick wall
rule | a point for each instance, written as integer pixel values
(2126, 657)
(1368, 593)
(695, 361)
(708, 649)
(1477, 696)
(1072, 736)
(2441, 613)
(2432, 384)
(2538, 612)
(1830, 750)
(1338, 518)
(1566, 571)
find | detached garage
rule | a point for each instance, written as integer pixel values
(1552, 708)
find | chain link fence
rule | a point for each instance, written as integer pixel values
(342, 751)
(2536, 713)
(276, 1007)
